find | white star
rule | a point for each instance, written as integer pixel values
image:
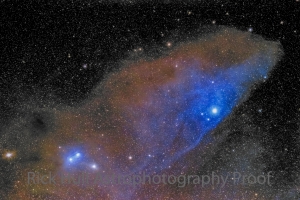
(214, 110)
(8, 155)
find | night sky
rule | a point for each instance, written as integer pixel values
(175, 88)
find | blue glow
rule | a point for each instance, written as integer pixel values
(191, 107)
(74, 158)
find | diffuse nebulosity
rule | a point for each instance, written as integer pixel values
(150, 113)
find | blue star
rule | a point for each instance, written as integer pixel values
(74, 157)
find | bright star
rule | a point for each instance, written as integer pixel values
(77, 154)
(214, 110)
(8, 155)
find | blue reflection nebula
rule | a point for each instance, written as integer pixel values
(191, 107)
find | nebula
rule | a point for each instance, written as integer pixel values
(146, 116)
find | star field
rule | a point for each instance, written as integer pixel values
(103, 101)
